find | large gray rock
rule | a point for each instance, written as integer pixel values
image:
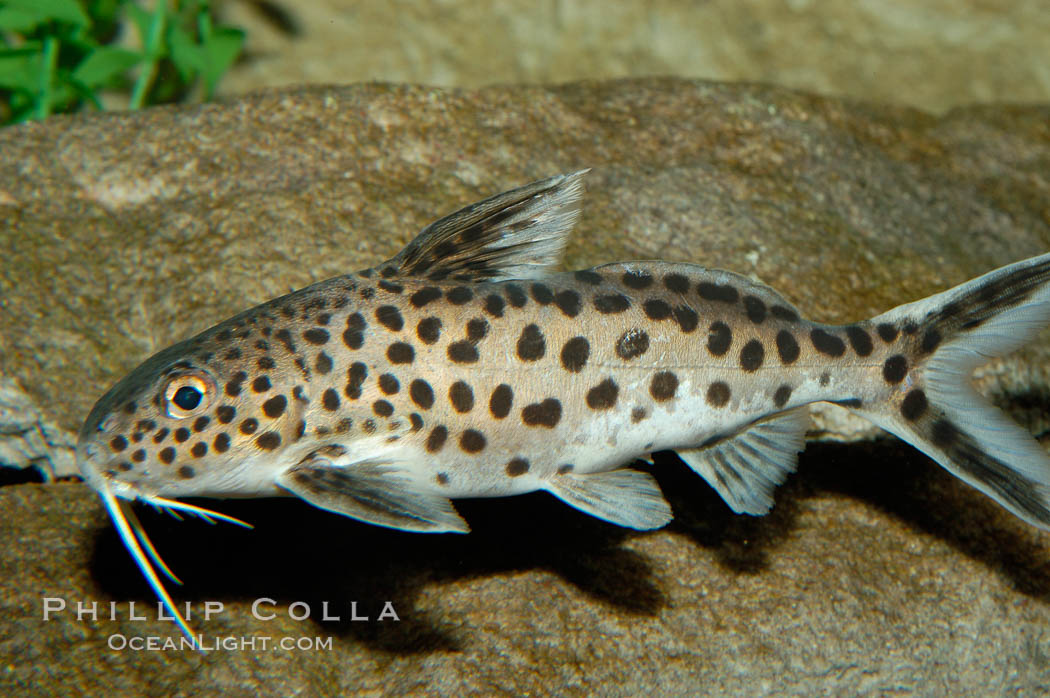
(876, 572)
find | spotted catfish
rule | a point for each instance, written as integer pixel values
(466, 367)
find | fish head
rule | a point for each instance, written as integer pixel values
(210, 416)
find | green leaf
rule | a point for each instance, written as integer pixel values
(20, 69)
(186, 55)
(103, 64)
(20, 21)
(50, 10)
(221, 51)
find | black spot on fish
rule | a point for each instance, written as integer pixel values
(461, 396)
(781, 312)
(501, 401)
(161, 434)
(717, 292)
(588, 277)
(186, 472)
(827, 343)
(676, 283)
(400, 353)
(463, 352)
(895, 368)
(382, 408)
(391, 287)
(421, 393)
(755, 309)
(323, 363)
(859, 340)
(182, 434)
(718, 394)
(888, 332)
(542, 294)
(515, 296)
(568, 303)
(686, 318)
(417, 421)
(477, 329)
(459, 295)
(914, 405)
(261, 384)
(612, 303)
(603, 396)
(429, 330)
(354, 336)
(472, 441)
(494, 305)
(782, 395)
(139, 455)
(531, 344)
(226, 413)
(390, 317)
(638, 414)
(355, 377)
(199, 450)
(636, 279)
(663, 386)
(234, 385)
(517, 466)
(542, 414)
(199, 424)
(719, 338)
(316, 335)
(330, 400)
(233, 354)
(930, 339)
(118, 443)
(752, 355)
(221, 443)
(574, 354)
(265, 363)
(656, 309)
(944, 433)
(425, 295)
(389, 384)
(787, 347)
(167, 455)
(268, 440)
(274, 407)
(632, 343)
(285, 337)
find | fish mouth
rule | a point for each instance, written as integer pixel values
(117, 497)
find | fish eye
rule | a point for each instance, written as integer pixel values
(188, 394)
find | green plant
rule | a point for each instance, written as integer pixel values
(60, 55)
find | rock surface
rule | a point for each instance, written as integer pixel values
(876, 572)
(934, 54)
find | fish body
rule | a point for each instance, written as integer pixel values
(465, 367)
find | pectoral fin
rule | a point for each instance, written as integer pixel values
(376, 493)
(625, 497)
(746, 468)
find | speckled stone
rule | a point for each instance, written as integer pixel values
(876, 571)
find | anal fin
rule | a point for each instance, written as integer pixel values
(625, 497)
(746, 468)
(376, 493)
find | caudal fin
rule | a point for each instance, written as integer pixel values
(936, 409)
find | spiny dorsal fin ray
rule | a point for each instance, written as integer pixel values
(746, 468)
(625, 497)
(518, 234)
(376, 493)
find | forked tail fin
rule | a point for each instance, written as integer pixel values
(937, 410)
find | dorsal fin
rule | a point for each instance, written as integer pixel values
(518, 234)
